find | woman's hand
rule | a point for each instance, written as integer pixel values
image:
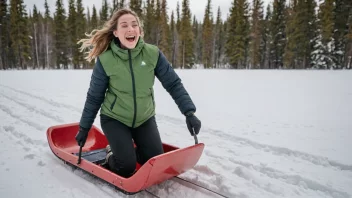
(193, 124)
(81, 136)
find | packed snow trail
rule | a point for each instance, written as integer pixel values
(231, 165)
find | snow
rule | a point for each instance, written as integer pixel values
(267, 134)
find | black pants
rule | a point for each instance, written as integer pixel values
(124, 158)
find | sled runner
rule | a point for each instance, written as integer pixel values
(174, 161)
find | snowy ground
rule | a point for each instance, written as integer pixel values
(268, 134)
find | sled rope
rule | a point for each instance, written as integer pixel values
(202, 187)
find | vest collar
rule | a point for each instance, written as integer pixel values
(123, 53)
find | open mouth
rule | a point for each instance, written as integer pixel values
(130, 38)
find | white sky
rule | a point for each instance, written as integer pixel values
(197, 6)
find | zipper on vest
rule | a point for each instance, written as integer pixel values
(113, 103)
(134, 89)
(151, 90)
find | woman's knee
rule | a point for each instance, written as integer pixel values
(124, 167)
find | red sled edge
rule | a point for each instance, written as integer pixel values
(173, 162)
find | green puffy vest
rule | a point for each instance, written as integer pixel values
(130, 95)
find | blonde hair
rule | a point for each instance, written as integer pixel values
(99, 39)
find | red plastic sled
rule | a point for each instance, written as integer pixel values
(174, 161)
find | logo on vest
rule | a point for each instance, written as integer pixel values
(143, 63)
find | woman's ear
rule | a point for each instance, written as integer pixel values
(115, 33)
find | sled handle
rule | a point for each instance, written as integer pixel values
(195, 137)
(79, 155)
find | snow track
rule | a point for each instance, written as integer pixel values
(231, 165)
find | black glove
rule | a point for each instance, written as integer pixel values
(193, 123)
(81, 136)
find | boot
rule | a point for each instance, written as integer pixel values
(105, 164)
(108, 149)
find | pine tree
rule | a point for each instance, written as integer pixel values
(165, 33)
(178, 54)
(36, 31)
(245, 31)
(89, 18)
(277, 29)
(311, 27)
(322, 55)
(94, 20)
(104, 12)
(230, 38)
(157, 25)
(237, 50)
(219, 40)
(149, 22)
(341, 13)
(348, 55)
(48, 23)
(292, 38)
(207, 37)
(19, 34)
(136, 5)
(36, 28)
(4, 42)
(81, 25)
(266, 39)
(224, 40)
(41, 40)
(72, 33)
(173, 39)
(255, 35)
(115, 6)
(197, 47)
(61, 53)
(304, 32)
(178, 17)
(187, 38)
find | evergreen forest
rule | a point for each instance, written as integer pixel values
(286, 34)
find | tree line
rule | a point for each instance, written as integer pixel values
(290, 34)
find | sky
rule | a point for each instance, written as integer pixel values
(197, 6)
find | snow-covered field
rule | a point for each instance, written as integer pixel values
(268, 134)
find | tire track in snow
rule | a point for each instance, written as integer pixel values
(52, 111)
(281, 151)
(30, 145)
(289, 178)
(270, 179)
(51, 102)
(26, 126)
(295, 180)
(18, 117)
(25, 141)
(33, 108)
(11, 130)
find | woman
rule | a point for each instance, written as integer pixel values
(121, 87)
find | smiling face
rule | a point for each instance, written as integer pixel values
(127, 31)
